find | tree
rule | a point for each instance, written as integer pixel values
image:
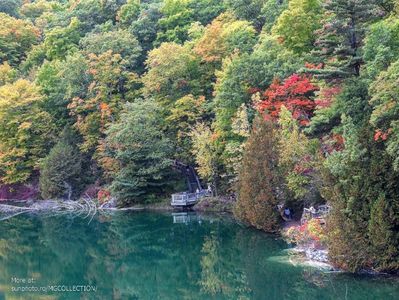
(385, 116)
(10, 7)
(271, 10)
(16, 39)
(60, 41)
(350, 98)
(381, 46)
(90, 13)
(59, 84)
(259, 180)
(176, 20)
(34, 58)
(361, 187)
(185, 113)
(142, 152)
(26, 131)
(205, 11)
(60, 172)
(224, 36)
(7, 74)
(240, 74)
(146, 27)
(296, 26)
(234, 148)
(172, 70)
(104, 98)
(33, 10)
(118, 41)
(129, 12)
(204, 150)
(299, 158)
(295, 93)
(250, 10)
(340, 39)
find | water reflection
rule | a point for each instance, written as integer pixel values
(163, 256)
(186, 217)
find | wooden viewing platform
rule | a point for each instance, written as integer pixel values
(187, 199)
(311, 213)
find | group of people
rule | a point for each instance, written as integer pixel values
(208, 190)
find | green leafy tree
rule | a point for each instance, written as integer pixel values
(129, 12)
(381, 46)
(33, 10)
(34, 58)
(298, 156)
(60, 41)
(176, 20)
(205, 11)
(118, 41)
(234, 149)
(361, 188)
(7, 73)
(350, 99)
(271, 10)
(142, 153)
(146, 27)
(250, 10)
(90, 13)
(296, 26)
(104, 99)
(59, 84)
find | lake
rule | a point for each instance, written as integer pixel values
(142, 255)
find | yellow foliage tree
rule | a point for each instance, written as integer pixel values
(25, 131)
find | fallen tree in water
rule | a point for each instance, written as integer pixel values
(85, 207)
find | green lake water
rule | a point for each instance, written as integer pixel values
(139, 255)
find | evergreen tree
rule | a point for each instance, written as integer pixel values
(362, 189)
(60, 171)
(339, 41)
(258, 180)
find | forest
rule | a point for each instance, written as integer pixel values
(292, 102)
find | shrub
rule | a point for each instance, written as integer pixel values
(311, 232)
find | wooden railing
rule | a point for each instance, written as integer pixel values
(187, 199)
(311, 213)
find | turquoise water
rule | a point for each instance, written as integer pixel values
(153, 256)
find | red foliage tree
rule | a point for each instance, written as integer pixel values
(295, 93)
